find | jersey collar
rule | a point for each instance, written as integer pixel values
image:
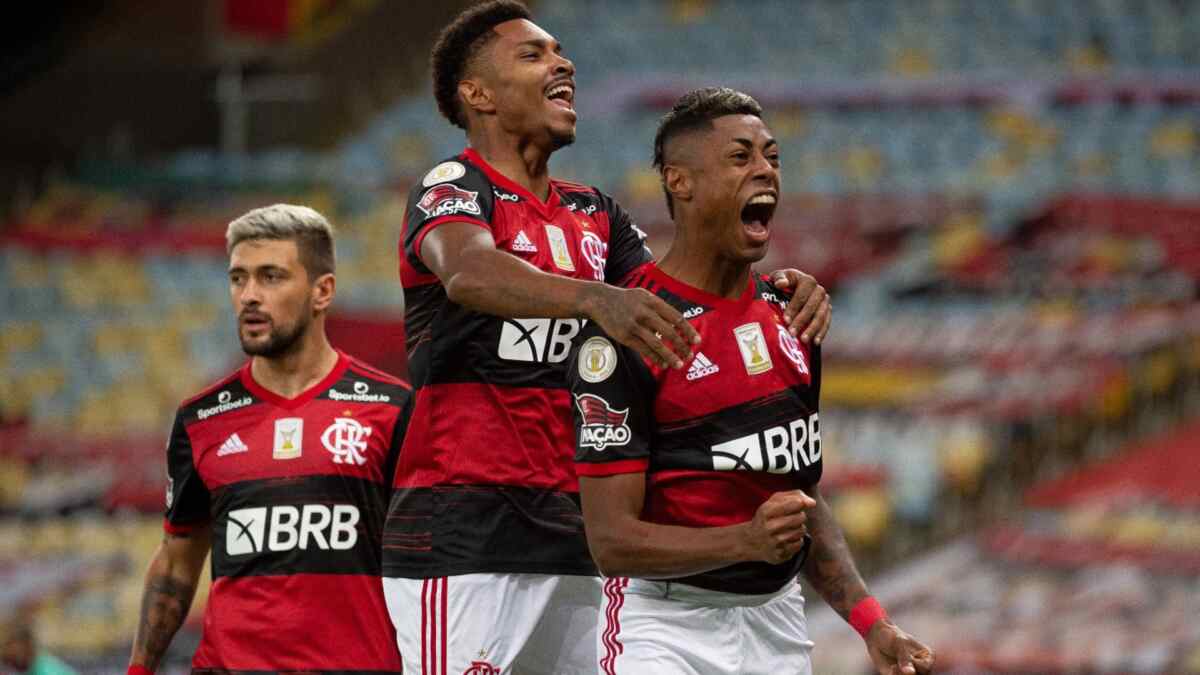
(546, 209)
(700, 296)
(303, 397)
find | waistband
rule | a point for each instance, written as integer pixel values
(673, 590)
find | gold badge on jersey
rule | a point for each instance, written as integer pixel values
(753, 346)
(289, 438)
(597, 359)
(559, 248)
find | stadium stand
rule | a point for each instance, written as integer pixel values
(1001, 194)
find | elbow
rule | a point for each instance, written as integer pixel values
(611, 558)
(462, 288)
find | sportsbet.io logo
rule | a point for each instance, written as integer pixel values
(278, 529)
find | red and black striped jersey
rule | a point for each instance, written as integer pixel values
(296, 493)
(485, 480)
(715, 439)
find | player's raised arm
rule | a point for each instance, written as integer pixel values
(831, 571)
(479, 276)
(171, 582)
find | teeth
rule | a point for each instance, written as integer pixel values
(561, 89)
(762, 199)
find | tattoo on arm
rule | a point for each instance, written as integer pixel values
(165, 605)
(830, 566)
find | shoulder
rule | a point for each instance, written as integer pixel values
(223, 395)
(766, 290)
(363, 383)
(454, 186)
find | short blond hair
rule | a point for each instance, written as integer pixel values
(311, 231)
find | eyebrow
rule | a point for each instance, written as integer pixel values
(750, 144)
(541, 43)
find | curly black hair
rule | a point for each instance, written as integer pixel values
(696, 110)
(458, 43)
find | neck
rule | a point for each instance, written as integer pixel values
(291, 374)
(519, 159)
(695, 260)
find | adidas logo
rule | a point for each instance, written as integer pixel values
(523, 244)
(701, 367)
(232, 445)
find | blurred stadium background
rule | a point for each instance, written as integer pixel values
(1003, 196)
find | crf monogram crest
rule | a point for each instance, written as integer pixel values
(347, 440)
(481, 668)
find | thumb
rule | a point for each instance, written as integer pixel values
(781, 280)
(904, 662)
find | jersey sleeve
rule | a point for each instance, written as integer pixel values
(612, 395)
(187, 495)
(627, 248)
(465, 197)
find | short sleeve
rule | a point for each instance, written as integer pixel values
(452, 191)
(627, 248)
(187, 495)
(612, 394)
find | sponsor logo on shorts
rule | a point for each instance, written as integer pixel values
(602, 425)
(779, 449)
(445, 200)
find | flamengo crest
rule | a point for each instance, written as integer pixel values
(347, 439)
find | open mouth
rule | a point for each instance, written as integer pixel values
(757, 214)
(562, 95)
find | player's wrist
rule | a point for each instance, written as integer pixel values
(866, 614)
(591, 298)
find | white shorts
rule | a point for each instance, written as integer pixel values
(487, 624)
(662, 628)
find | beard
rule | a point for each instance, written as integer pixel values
(279, 340)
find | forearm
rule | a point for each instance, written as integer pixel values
(492, 281)
(166, 599)
(636, 548)
(830, 566)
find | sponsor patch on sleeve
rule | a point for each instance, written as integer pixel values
(444, 172)
(447, 200)
(597, 359)
(602, 426)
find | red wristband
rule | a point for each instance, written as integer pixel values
(865, 614)
(138, 669)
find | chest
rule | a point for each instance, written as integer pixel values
(265, 441)
(568, 240)
(744, 356)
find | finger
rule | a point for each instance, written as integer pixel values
(679, 324)
(664, 356)
(783, 527)
(667, 334)
(804, 286)
(806, 320)
(826, 320)
(904, 662)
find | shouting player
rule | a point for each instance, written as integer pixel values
(282, 469)
(699, 487)
(485, 561)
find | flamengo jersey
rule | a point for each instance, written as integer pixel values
(717, 438)
(296, 492)
(485, 481)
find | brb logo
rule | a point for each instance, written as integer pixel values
(602, 426)
(284, 528)
(537, 340)
(778, 449)
(347, 440)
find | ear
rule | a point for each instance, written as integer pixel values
(476, 96)
(678, 181)
(323, 292)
